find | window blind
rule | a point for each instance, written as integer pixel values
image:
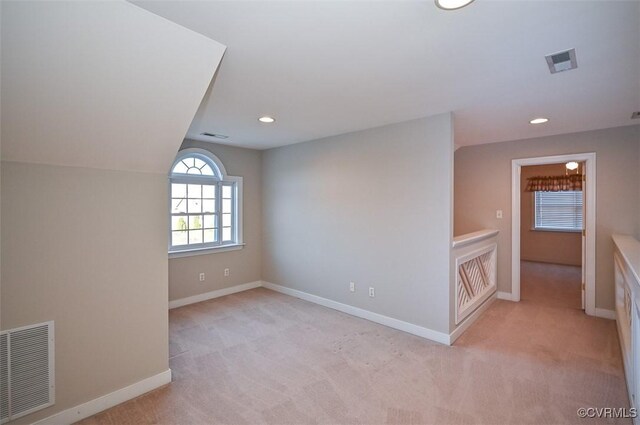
(558, 210)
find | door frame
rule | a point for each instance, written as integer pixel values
(589, 189)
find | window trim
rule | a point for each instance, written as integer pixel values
(207, 250)
(221, 178)
(551, 229)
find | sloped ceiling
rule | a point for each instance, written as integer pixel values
(99, 84)
(330, 67)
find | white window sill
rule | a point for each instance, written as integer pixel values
(203, 251)
(544, 229)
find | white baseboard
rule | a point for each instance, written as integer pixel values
(401, 325)
(99, 404)
(472, 318)
(214, 294)
(423, 332)
(504, 296)
(606, 314)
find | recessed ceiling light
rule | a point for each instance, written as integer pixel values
(539, 120)
(452, 4)
(266, 119)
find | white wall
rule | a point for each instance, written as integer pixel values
(85, 248)
(129, 81)
(483, 185)
(245, 264)
(96, 99)
(373, 207)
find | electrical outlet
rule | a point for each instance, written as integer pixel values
(498, 213)
(372, 292)
(226, 272)
(352, 286)
(201, 277)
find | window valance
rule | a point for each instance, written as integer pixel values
(554, 183)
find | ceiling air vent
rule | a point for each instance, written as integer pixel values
(217, 136)
(635, 115)
(562, 61)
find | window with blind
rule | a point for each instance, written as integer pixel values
(558, 211)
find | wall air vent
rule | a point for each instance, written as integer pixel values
(635, 115)
(217, 136)
(26, 370)
(562, 61)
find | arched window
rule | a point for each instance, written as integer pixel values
(205, 203)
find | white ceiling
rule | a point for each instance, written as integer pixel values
(99, 84)
(329, 67)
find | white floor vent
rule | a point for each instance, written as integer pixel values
(26, 370)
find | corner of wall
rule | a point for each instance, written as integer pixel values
(245, 264)
(334, 174)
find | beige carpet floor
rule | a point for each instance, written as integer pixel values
(262, 357)
(550, 285)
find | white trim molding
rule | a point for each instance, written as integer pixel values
(205, 251)
(605, 314)
(423, 332)
(590, 239)
(107, 401)
(219, 179)
(401, 325)
(469, 238)
(504, 296)
(221, 171)
(214, 294)
(469, 320)
(626, 260)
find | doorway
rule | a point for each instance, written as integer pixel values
(551, 240)
(587, 240)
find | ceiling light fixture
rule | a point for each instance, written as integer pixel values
(572, 165)
(539, 120)
(452, 4)
(267, 120)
